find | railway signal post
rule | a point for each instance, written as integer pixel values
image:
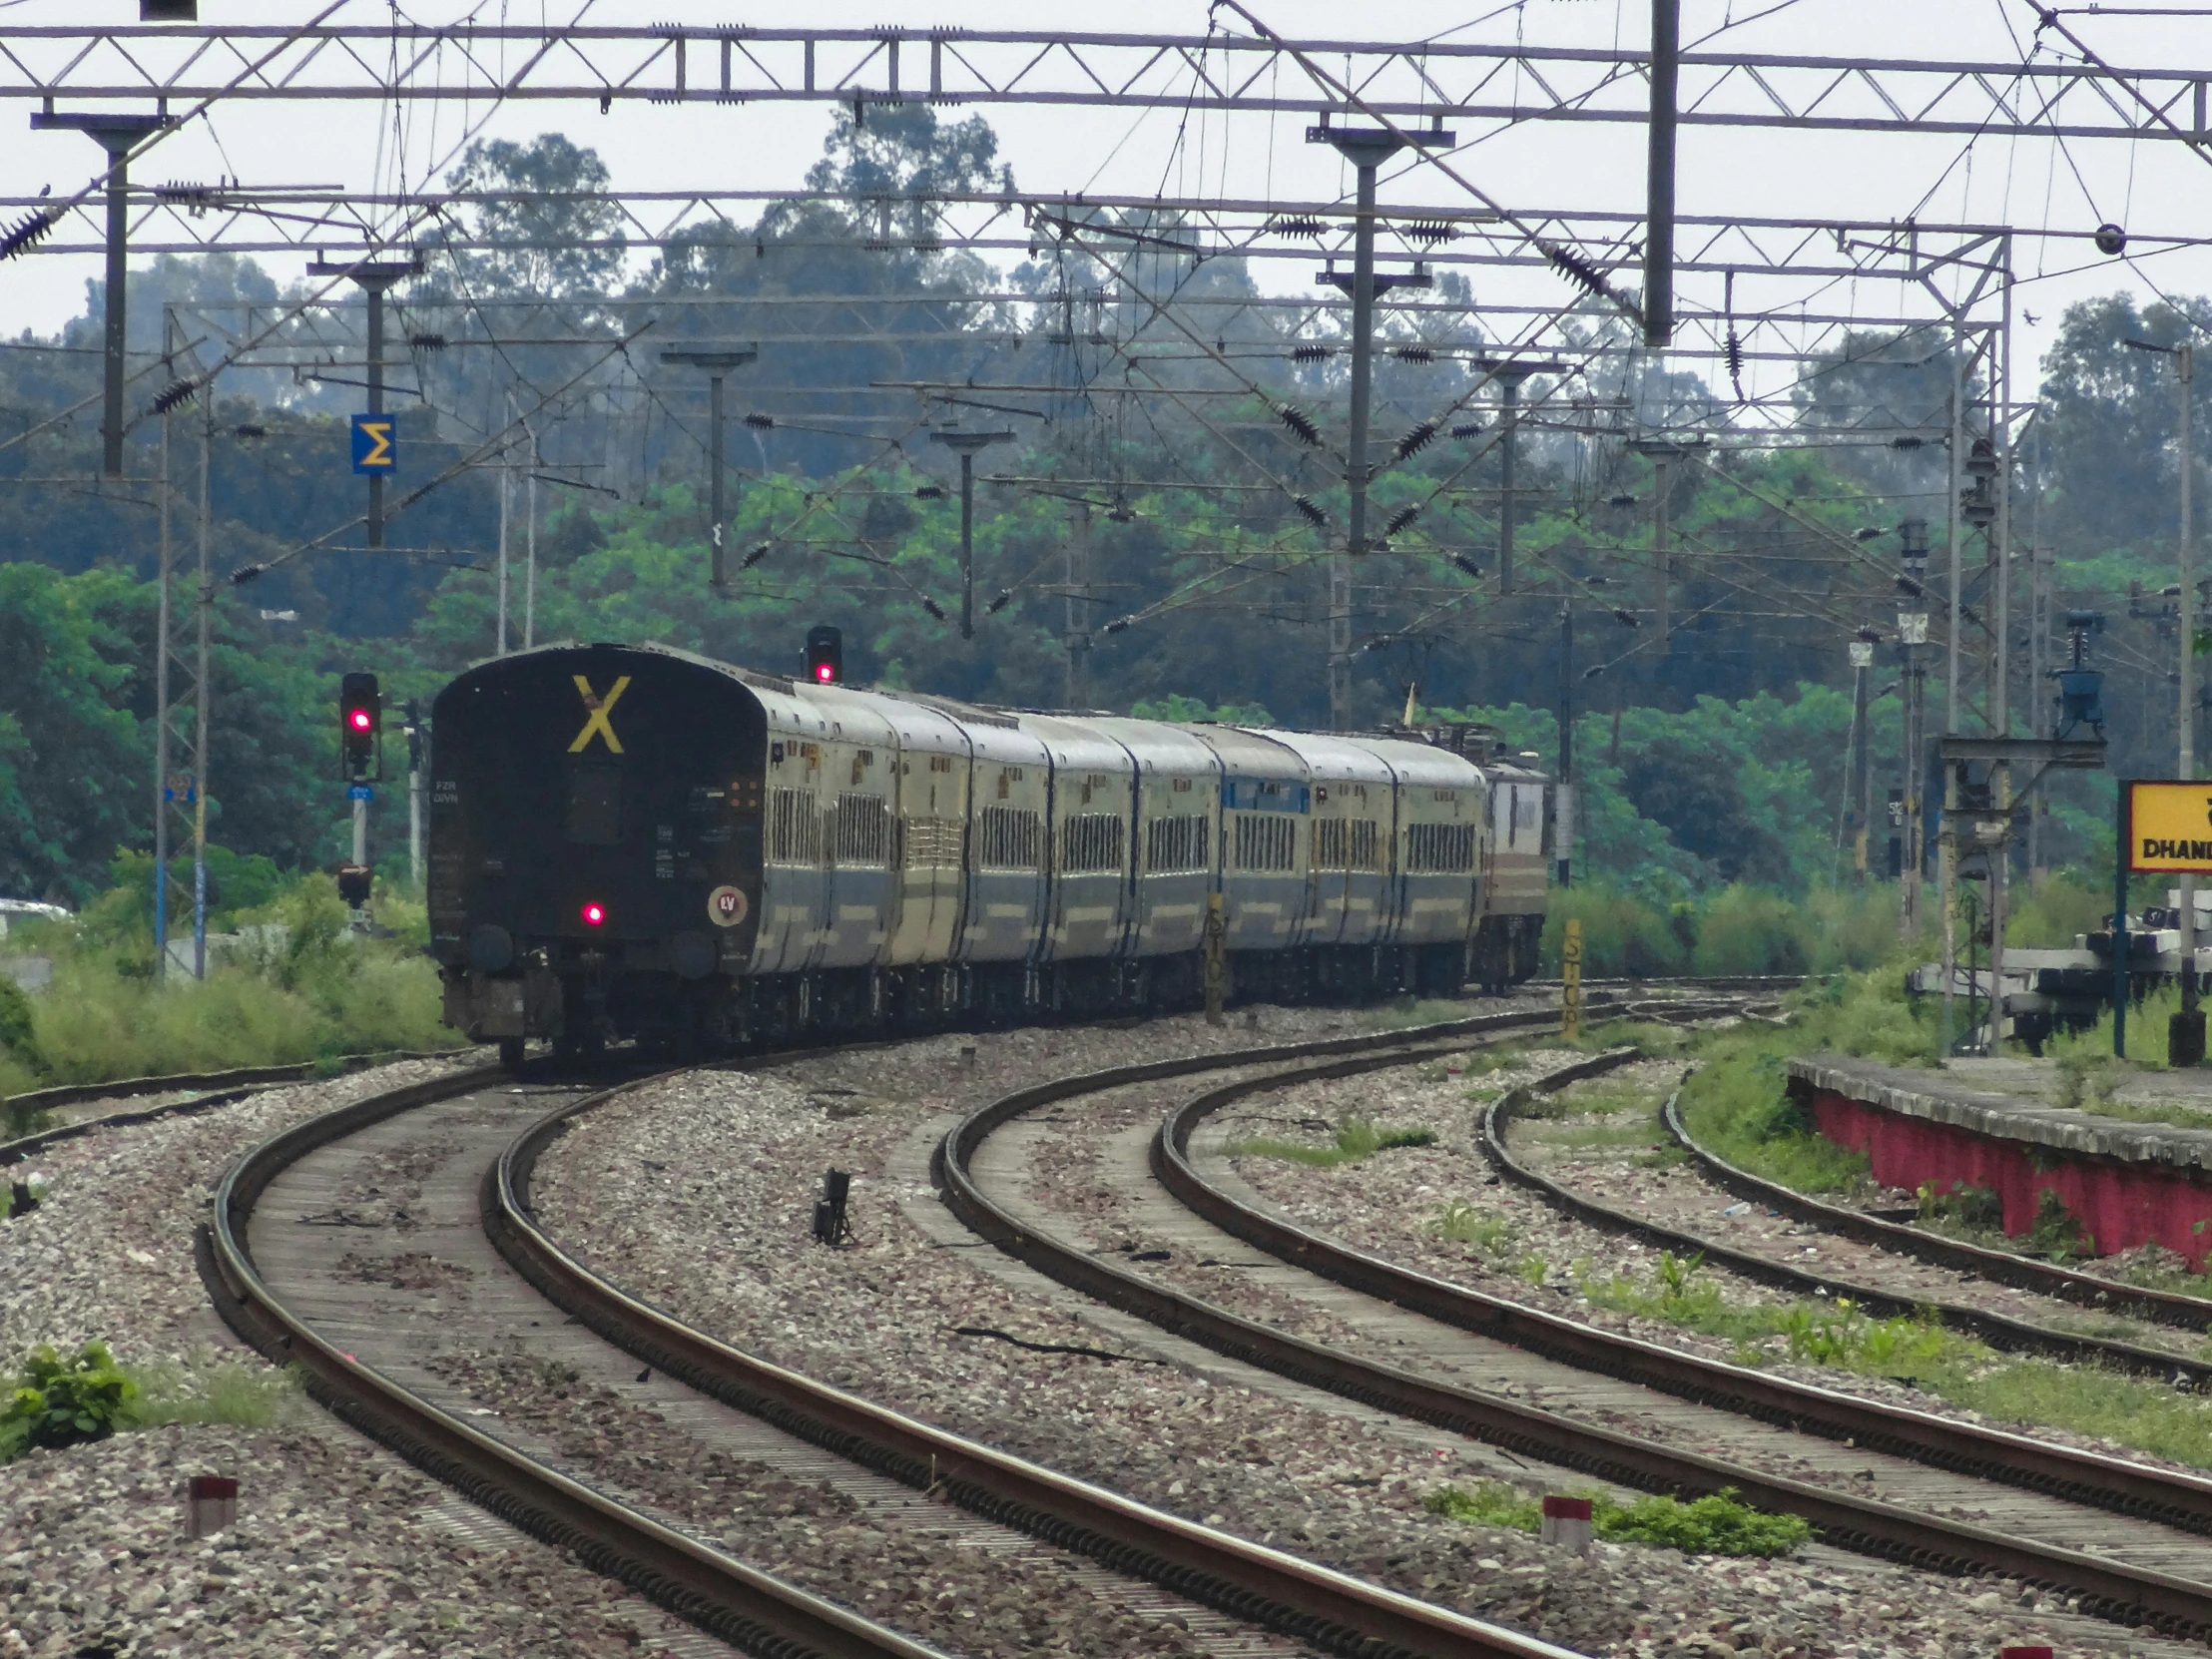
(360, 750)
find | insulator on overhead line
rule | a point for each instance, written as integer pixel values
(1296, 227)
(427, 343)
(250, 430)
(1468, 429)
(1575, 267)
(1312, 354)
(1416, 440)
(1429, 232)
(1400, 519)
(1620, 502)
(1906, 443)
(172, 395)
(1300, 424)
(1304, 504)
(1119, 623)
(929, 493)
(1872, 532)
(1466, 561)
(1004, 599)
(1413, 354)
(29, 231)
(246, 573)
(764, 422)
(760, 551)
(1627, 619)
(933, 607)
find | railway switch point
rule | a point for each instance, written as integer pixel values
(211, 1505)
(1566, 1522)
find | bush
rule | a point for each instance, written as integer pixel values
(1719, 1523)
(1622, 937)
(58, 1403)
(16, 1035)
(2061, 907)
(1748, 932)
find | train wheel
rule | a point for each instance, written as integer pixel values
(510, 1053)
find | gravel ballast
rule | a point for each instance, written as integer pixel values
(697, 1194)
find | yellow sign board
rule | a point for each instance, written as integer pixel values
(2169, 826)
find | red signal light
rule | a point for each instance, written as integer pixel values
(825, 673)
(359, 720)
(594, 916)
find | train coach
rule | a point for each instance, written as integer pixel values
(633, 841)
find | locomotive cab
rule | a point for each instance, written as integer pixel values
(595, 845)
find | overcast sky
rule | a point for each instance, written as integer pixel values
(2151, 188)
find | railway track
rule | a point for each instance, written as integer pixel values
(2128, 1540)
(2106, 1296)
(2000, 1330)
(468, 1144)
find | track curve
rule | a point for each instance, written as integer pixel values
(2133, 1592)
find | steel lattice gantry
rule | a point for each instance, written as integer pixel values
(670, 64)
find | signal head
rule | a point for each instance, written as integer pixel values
(592, 914)
(825, 653)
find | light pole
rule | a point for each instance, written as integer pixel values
(967, 445)
(2185, 1038)
(1366, 149)
(718, 362)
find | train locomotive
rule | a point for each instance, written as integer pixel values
(631, 841)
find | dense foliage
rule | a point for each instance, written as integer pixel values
(1714, 764)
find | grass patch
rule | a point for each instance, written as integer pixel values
(1487, 1230)
(1355, 1140)
(1718, 1524)
(215, 1391)
(1590, 1135)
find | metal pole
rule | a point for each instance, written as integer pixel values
(1947, 852)
(1662, 525)
(1666, 53)
(1861, 785)
(1508, 446)
(2122, 822)
(361, 855)
(2037, 646)
(1078, 560)
(968, 545)
(530, 551)
(1564, 853)
(161, 730)
(372, 292)
(1355, 453)
(506, 496)
(119, 223)
(204, 603)
(2193, 1045)
(1958, 549)
(719, 575)
(414, 791)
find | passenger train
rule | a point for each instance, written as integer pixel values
(633, 841)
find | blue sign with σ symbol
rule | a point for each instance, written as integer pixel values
(360, 791)
(375, 444)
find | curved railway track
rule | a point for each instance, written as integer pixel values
(366, 1360)
(2106, 1296)
(2000, 1330)
(2126, 1538)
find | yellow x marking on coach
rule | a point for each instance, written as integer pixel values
(600, 708)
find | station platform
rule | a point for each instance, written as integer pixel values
(1999, 1125)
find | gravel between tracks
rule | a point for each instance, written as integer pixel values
(333, 1554)
(1388, 1204)
(809, 1533)
(697, 1194)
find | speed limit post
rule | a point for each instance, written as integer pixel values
(1570, 981)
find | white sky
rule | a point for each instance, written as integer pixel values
(2151, 188)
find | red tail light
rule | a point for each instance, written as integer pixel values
(594, 916)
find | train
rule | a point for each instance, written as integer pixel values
(634, 842)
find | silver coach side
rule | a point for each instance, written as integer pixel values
(1177, 834)
(1259, 868)
(1090, 832)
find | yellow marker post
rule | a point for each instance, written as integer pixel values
(1216, 948)
(1570, 981)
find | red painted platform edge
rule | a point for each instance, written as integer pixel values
(2120, 1206)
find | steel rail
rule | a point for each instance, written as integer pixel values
(2000, 1330)
(2106, 1296)
(715, 1591)
(1328, 1609)
(232, 1086)
(2111, 1589)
